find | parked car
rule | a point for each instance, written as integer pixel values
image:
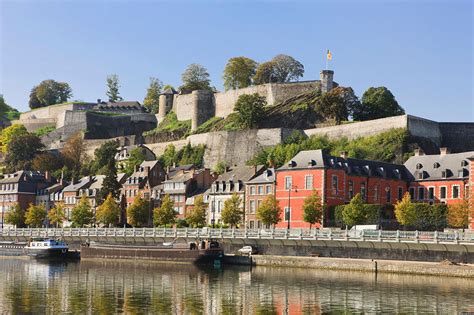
(247, 250)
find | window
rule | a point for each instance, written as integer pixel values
(412, 193)
(308, 182)
(351, 189)
(252, 190)
(376, 193)
(251, 224)
(287, 213)
(421, 193)
(260, 190)
(388, 193)
(442, 192)
(455, 191)
(466, 190)
(288, 182)
(259, 203)
(334, 185)
(268, 189)
(461, 173)
(252, 206)
(400, 193)
(363, 191)
(430, 193)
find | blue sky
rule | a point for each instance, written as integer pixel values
(421, 50)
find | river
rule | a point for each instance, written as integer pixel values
(105, 287)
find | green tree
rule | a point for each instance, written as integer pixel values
(103, 156)
(232, 213)
(9, 133)
(113, 85)
(250, 109)
(21, 151)
(405, 211)
(108, 213)
(82, 213)
(74, 154)
(35, 215)
(169, 156)
(265, 73)
(15, 216)
(286, 68)
(354, 213)
(137, 156)
(377, 102)
(313, 209)
(269, 212)
(458, 214)
(195, 77)
(47, 162)
(197, 217)
(110, 184)
(238, 73)
(337, 103)
(152, 97)
(57, 214)
(220, 167)
(49, 92)
(138, 212)
(3, 106)
(165, 214)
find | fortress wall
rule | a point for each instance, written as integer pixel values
(54, 110)
(420, 127)
(225, 101)
(183, 106)
(283, 91)
(459, 137)
(360, 129)
(34, 124)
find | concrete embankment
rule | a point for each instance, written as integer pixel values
(361, 265)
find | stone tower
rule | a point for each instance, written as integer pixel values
(326, 80)
(166, 103)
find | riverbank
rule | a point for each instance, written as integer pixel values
(444, 269)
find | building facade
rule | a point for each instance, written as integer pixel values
(256, 191)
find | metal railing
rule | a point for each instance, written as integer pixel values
(453, 237)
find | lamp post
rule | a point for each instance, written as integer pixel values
(3, 208)
(213, 221)
(289, 200)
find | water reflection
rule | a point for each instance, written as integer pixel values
(137, 288)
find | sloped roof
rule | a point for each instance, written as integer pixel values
(268, 176)
(16, 177)
(432, 166)
(242, 173)
(83, 182)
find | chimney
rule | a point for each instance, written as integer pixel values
(419, 152)
(344, 154)
(47, 176)
(255, 169)
(326, 77)
(147, 171)
(444, 151)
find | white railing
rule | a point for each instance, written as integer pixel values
(270, 234)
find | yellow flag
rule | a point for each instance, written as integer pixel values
(329, 55)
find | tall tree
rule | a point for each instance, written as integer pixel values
(337, 103)
(57, 214)
(137, 156)
(287, 68)
(458, 214)
(269, 212)
(238, 73)
(110, 185)
(354, 213)
(21, 151)
(9, 133)
(169, 156)
(152, 97)
(197, 217)
(82, 213)
(47, 162)
(103, 156)
(113, 85)
(74, 154)
(250, 109)
(165, 214)
(138, 212)
(35, 215)
(15, 216)
(49, 92)
(313, 209)
(405, 211)
(195, 77)
(108, 213)
(232, 213)
(377, 102)
(265, 73)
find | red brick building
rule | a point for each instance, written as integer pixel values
(337, 180)
(256, 190)
(147, 175)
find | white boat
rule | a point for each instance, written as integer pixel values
(46, 248)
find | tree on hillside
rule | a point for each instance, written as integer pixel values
(313, 209)
(152, 97)
(49, 92)
(3, 106)
(103, 156)
(195, 77)
(232, 213)
(47, 162)
(337, 103)
(57, 215)
(137, 156)
(354, 213)
(250, 109)
(220, 167)
(265, 73)
(269, 212)
(458, 214)
(110, 184)
(82, 213)
(74, 154)
(197, 216)
(9, 133)
(109, 212)
(35, 216)
(15, 216)
(238, 73)
(286, 68)
(113, 85)
(21, 151)
(169, 156)
(405, 211)
(377, 102)
(138, 212)
(165, 214)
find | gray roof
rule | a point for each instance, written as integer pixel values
(314, 159)
(242, 173)
(83, 182)
(268, 176)
(20, 175)
(169, 91)
(432, 167)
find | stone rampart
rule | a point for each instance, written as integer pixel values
(458, 137)
(225, 101)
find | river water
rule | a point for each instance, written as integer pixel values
(99, 287)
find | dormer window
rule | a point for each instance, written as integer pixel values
(420, 175)
(311, 163)
(461, 173)
(419, 166)
(291, 164)
(436, 165)
(464, 163)
(444, 174)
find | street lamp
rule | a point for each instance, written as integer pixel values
(289, 199)
(213, 221)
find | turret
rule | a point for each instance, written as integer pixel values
(326, 80)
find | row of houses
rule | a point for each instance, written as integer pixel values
(442, 178)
